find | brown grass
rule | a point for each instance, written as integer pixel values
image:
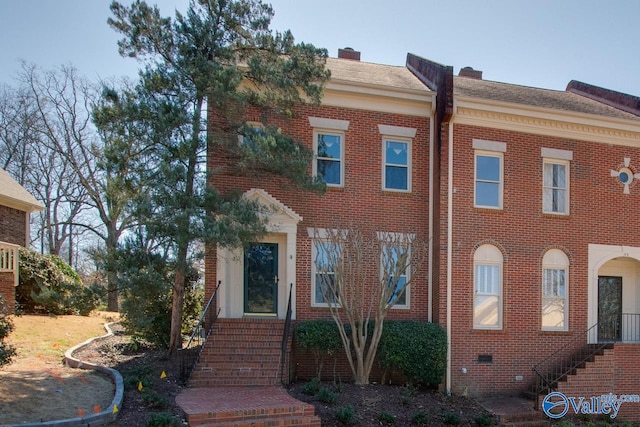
(36, 386)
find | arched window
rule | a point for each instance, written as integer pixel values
(555, 284)
(487, 278)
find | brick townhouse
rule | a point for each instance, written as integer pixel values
(16, 205)
(528, 200)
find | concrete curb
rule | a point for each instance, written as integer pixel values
(103, 417)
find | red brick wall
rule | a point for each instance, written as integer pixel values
(617, 371)
(599, 213)
(8, 290)
(13, 226)
(360, 203)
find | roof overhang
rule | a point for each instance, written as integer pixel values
(545, 121)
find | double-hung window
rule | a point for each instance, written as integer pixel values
(326, 256)
(555, 181)
(487, 277)
(329, 149)
(396, 157)
(488, 173)
(395, 266)
(555, 281)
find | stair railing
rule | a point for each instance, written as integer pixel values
(566, 360)
(190, 353)
(284, 354)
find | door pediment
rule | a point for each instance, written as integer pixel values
(280, 217)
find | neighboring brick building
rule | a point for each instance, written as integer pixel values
(16, 204)
(528, 196)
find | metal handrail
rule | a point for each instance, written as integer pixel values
(190, 354)
(285, 337)
(566, 360)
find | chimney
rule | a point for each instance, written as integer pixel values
(471, 73)
(349, 53)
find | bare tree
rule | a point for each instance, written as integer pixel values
(361, 275)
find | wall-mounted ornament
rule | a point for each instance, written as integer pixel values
(626, 174)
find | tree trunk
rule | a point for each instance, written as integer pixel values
(175, 338)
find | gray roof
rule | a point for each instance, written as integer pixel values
(530, 96)
(396, 77)
(14, 194)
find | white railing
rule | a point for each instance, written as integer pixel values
(9, 260)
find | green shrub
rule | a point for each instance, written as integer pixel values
(49, 284)
(312, 387)
(327, 396)
(416, 349)
(154, 400)
(420, 418)
(163, 419)
(386, 417)
(345, 414)
(321, 337)
(452, 418)
(484, 420)
(7, 352)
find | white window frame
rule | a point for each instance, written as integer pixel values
(488, 255)
(406, 275)
(325, 126)
(403, 135)
(556, 157)
(555, 259)
(316, 135)
(318, 235)
(500, 182)
(408, 143)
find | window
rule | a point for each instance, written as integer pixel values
(395, 266)
(555, 181)
(396, 165)
(328, 147)
(555, 279)
(329, 150)
(488, 180)
(396, 157)
(323, 272)
(249, 135)
(487, 277)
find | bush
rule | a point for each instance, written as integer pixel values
(7, 352)
(321, 337)
(312, 387)
(484, 420)
(386, 418)
(145, 282)
(416, 349)
(49, 284)
(420, 418)
(327, 396)
(345, 414)
(452, 418)
(163, 419)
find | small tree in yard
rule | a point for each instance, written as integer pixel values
(361, 275)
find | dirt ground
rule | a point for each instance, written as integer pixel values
(37, 386)
(34, 389)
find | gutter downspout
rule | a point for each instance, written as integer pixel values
(449, 242)
(431, 189)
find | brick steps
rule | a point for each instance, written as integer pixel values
(241, 352)
(302, 415)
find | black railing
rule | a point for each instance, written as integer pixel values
(630, 327)
(566, 360)
(284, 347)
(190, 353)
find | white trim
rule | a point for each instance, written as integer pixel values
(401, 131)
(567, 200)
(500, 156)
(431, 219)
(554, 153)
(324, 123)
(481, 144)
(550, 261)
(314, 166)
(484, 255)
(409, 143)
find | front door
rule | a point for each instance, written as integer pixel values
(609, 308)
(261, 279)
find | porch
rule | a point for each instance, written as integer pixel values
(9, 256)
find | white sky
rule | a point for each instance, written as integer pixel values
(541, 43)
